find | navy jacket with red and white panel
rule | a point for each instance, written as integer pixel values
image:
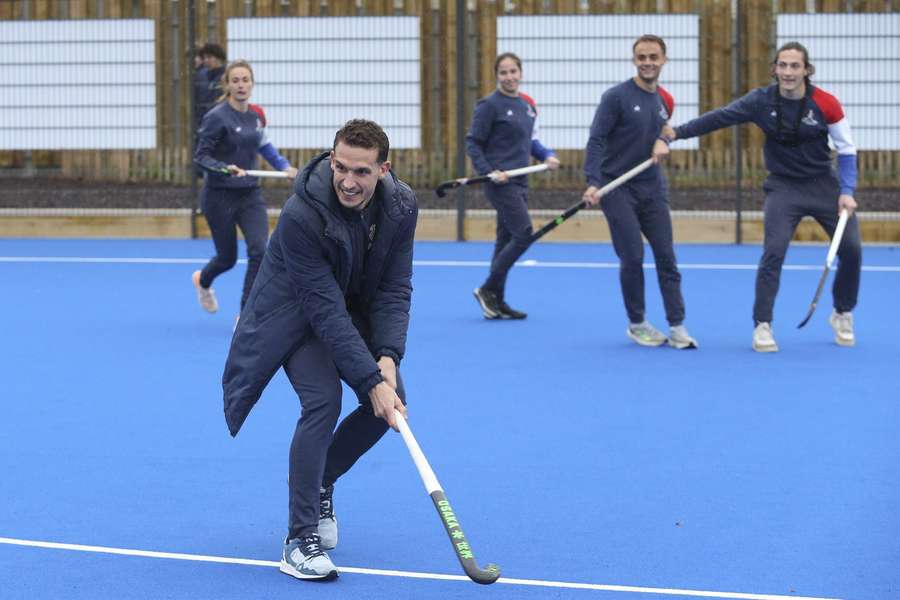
(798, 149)
(230, 137)
(504, 135)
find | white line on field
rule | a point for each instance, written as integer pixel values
(529, 263)
(407, 574)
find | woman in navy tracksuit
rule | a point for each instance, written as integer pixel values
(503, 136)
(797, 119)
(230, 136)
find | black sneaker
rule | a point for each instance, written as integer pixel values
(507, 312)
(328, 531)
(490, 304)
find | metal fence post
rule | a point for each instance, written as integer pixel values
(736, 90)
(460, 117)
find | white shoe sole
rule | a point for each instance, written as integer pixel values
(844, 342)
(765, 348)
(287, 569)
(641, 342)
(692, 345)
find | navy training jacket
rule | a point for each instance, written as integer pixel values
(300, 291)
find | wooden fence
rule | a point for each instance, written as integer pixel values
(713, 162)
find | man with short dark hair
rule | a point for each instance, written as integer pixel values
(330, 303)
(214, 62)
(625, 132)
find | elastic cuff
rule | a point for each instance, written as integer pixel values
(664, 139)
(371, 381)
(390, 353)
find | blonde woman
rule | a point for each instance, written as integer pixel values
(231, 135)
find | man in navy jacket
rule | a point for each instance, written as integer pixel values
(330, 303)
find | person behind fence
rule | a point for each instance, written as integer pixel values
(231, 135)
(797, 119)
(331, 303)
(504, 136)
(625, 132)
(210, 88)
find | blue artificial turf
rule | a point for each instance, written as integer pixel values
(568, 452)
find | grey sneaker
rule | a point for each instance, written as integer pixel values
(206, 296)
(328, 530)
(762, 338)
(842, 323)
(304, 559)
(645, 334)
(680, 338)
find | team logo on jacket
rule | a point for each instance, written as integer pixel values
(237, 129)
(663, 113)
(509, 113)
(810, 119)
(372, 229)
(637, 108)
(530, 112)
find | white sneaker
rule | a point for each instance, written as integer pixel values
(645, 334)
(206, 296)
(842, 323)
(763, 340)
(680, 339)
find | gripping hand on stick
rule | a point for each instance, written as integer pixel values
(384, 396)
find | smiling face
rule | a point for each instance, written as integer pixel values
(239, 84)
(508, 76)
(791, 71)
(649, 58)
(356, 173)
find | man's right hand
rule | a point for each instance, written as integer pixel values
(384, 401)
(590, 196)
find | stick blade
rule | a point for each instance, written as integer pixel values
(460, 544)
(441, 190)
(815, 300)
(809, 315)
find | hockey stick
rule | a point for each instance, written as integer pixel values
(268, 174)
(548, 227)
(442, 188)
(252, 173)
(448, 517)
(832, 251)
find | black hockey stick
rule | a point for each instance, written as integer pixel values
(548, 227)
(448, 517)
(832, 252)
(442, 188)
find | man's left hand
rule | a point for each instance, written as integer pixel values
(847, 201)
(388, 370)
(552, 163)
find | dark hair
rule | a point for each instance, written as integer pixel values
(503, 57)
(216, 50)
(802, 50)
(361, 133)
(650, 38)
(232, 66)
